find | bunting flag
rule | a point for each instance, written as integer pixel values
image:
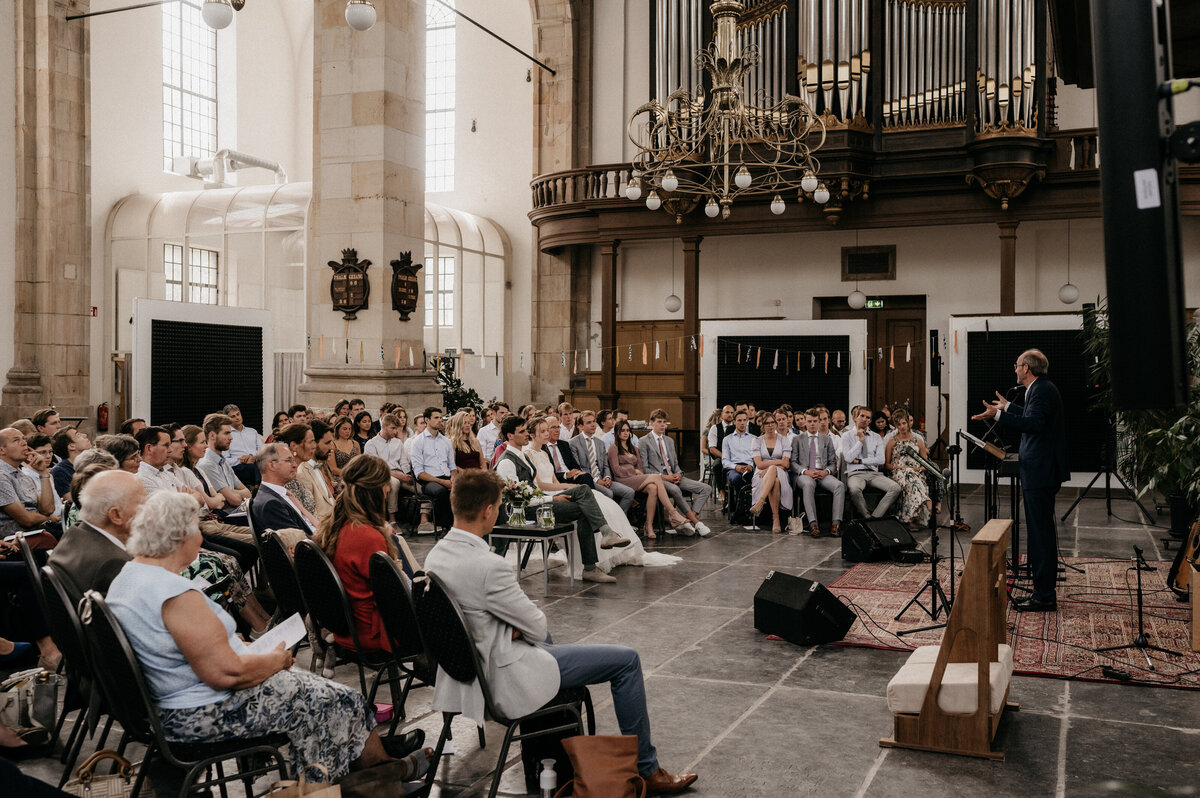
(347, 353)
(381, 353)
(701, 345)
(575, 360)
(645, 354)
(956, 342)
(631, 353)
(656, 350)
(411, 361)
(775, 365)
(797, 362)
(587, 358)
(892, 357)
(362, 352)
(308, 342)
(396, 365)
(812, 360)
(879, 353)
(908, 353)
(497, 356)
(826, 362)
(839, 362)
(563, 356)
(321, 346)
(758, 358)
(694, 343)
(864, 359)
(739, 346)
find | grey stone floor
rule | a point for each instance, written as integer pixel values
(755, 717)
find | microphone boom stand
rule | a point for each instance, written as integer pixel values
(937, 597)
(1140, 641)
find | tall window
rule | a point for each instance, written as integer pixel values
(440, 51)
(189, 83)
(201, 283)
(439, 292)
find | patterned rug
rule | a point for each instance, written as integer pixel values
(1095, 609)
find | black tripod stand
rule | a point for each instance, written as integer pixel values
(1108, 456)
(937, 597)
(1140, 641)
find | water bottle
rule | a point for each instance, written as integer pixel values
(548, 780)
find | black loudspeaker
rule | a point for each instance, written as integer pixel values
(874, 539)
(800, 611)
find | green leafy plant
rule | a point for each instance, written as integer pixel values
(1158, 450)
(455, 396)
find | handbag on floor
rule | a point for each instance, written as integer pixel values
(87, 784)
(29, 700)
(605, 767)
(290, 788)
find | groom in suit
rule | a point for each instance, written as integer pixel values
(1044, 467)
(525, 670)
(814, 461)
(657, 453)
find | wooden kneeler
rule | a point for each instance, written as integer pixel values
(974, 632)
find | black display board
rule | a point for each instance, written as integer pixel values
(990, 360)
(745, 375)
(197, 369)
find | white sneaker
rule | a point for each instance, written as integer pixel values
(702, 529)
(425, 529)
(686, 528)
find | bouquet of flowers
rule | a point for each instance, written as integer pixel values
(518, 495)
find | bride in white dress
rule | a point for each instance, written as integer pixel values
(632, 554)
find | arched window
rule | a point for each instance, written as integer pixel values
(440, 54)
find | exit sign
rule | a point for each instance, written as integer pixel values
(874, 304)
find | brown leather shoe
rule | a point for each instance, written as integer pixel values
(836, 531)
(815, 530)
(663, 783)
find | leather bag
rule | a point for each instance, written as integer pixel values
(605, 767)
(87, 784)
(29, 700)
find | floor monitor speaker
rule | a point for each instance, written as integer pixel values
(800, 611)
(874, 539)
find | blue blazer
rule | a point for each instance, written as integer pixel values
(1042, 424)
(270, 511)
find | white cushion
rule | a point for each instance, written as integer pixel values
(958, 694)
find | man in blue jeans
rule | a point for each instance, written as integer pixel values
(524, 668)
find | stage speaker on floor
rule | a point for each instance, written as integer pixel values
(874, 539)
(799, 610)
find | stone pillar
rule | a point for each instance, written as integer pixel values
(52, 260)
(369, 195)
(608, 324)
(1008, 267)
(691, 329)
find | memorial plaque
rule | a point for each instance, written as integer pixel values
(405, 285)
(349, 289)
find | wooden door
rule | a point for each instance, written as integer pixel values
(891, 376)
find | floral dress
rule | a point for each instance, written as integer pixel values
(915, 491)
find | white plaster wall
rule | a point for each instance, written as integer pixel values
(493, 167)
(8, 183)
(264, 108)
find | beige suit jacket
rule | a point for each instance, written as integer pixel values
(316, 485)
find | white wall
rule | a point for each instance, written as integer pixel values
(8, 182)
(494, 163)
(264, 108)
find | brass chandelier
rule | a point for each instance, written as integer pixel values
(713, 149)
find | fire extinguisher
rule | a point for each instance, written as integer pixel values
(102, 417)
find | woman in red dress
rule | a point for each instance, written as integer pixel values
(356, 529)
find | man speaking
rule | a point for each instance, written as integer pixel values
(1043, 462)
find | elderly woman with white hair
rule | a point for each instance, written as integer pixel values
(203, 682)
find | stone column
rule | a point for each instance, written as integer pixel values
(52, 259)
(1008, 267)
(608, 323)
(369, 195)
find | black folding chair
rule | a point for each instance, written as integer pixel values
(329, 608)
(394, 598)
(83, 693)
(445, 632)
(120, 678)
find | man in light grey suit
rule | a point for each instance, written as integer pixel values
(524, 669)
(595, 462)
(814, 462)
(657, 453)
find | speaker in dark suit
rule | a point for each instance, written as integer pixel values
(87, 560)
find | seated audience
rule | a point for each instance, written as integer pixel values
(815, 462)
(824, 426)
(277, 422)
(783, 426)
(242, 447)
(215, 470)
(205, 686)
(605, 421)
(737, 452)
(123, 447)
(657, 453)
(881, 425)
(301, 444)
(187, 447)
(403, 429)
(342, 408)
(362, 428)
(354, 531)
(92, 457)
(388, 447)
(312, 472)
(489, 435)
(356, 407)
(26, 503)
(274, 507)
(574, 504)
(899, 456)
(566, 420)
(68, 444)
(525, 670)
(837, 422)
(561, 459)
(298, 414)
(862, 451)
(433, 465)
(619, 415)
(132, 426)
(717, 431)
(345, 447)
(625, 462)
(467, 451)
(48, 422)
(14, 582)
(37, 465)
(592, 455)
(771, 485)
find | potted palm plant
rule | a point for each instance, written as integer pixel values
(1159, 450)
